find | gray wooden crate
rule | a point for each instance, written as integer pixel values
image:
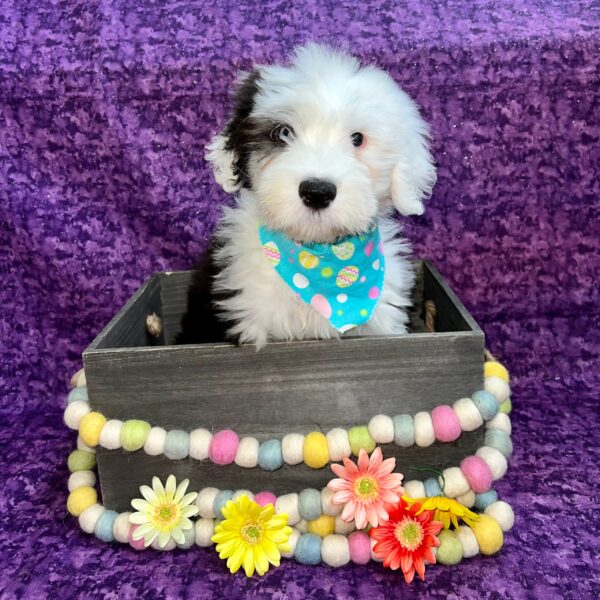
(300, 386)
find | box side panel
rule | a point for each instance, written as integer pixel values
(174, 288)
(299, 386)
(122, 473)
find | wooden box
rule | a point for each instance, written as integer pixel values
(283, 388)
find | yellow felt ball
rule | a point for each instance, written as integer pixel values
(316, 453)
(489, 534)
(90, 427)
(80, 499)
(324, 525)
(495, 369)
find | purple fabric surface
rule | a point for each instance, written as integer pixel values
(105, 108)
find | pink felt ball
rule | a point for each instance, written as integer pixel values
(445, 423)
(477, 473)
(360, 547)
(223, 447)
(135, 544)
(264, 498)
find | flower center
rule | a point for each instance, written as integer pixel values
(366, 488)
(251, 533)
(165, 515)
(409, 533)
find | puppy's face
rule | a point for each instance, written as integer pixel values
(325, 146)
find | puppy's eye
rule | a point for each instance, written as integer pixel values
(357, 139)
(282, 134)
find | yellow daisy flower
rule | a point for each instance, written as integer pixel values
(164, 513)
(251, 536)
(446, 510)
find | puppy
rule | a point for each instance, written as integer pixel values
(319, 153)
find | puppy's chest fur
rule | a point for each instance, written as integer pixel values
(258, 305)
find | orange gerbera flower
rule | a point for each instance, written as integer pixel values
(364, 490)
(406, 539)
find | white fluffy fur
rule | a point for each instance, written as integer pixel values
(325, 97)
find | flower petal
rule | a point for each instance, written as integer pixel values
(180, 491)
(163, 538)
(178, 536)
(149, 494)
(138, 518)
(171, 486)
(141, 505)
(158, 488)
(363, 460)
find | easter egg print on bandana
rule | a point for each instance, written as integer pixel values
(342, 281)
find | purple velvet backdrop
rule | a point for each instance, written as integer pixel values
(105, 108)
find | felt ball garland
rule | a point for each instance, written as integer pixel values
(318, 532)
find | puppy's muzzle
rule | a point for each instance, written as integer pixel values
(317, 193)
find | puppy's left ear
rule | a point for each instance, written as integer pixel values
(414, 175)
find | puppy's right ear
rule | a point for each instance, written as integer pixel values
(228, 152)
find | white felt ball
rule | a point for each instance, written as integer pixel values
(338, 444)
(81, 479)
(424, 433)
(121, 527)
(170, 545)
(247, 453)
(205, 529)
(288, 504)
(301, 526)
(76, 376)
(75, 412)
(468, 541)
(81, 445)
(328, 507)
(199, 443)
(292, 448)
(342, 527)
(501, 512)
(205, 502)
(241, 493)
(373, 555)
(467, 499)
(155, 442)
(414, 489)
(110, 436)
(495, 461)
(498, 387)
(381, 428)
(454, 483)
(335, 550)
(468, 414)
(89, 517)
(502, 422)
(292, 541)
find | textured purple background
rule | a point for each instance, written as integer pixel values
(104, 112)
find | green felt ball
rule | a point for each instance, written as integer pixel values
(505, 407)
(80, 460)
(450, 550)
(134, 434)
(360, 437)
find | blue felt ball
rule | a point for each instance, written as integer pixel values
(404, 430)
(78, 393)
(177, 444)
(220, 501)
(270, 457)
(104, 526)
(499, 440)
(309, 504)
(486, 404)
(432, 487)
(482, 501)
(308, 549)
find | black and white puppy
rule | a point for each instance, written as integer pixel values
(318, 150)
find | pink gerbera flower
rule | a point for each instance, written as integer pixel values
(366, 489)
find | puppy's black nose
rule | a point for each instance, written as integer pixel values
(317, 193)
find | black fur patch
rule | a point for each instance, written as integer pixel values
(245, 134)
(201, 323)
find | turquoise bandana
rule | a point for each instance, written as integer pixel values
(342, 281)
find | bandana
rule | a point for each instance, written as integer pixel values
(341, 281)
